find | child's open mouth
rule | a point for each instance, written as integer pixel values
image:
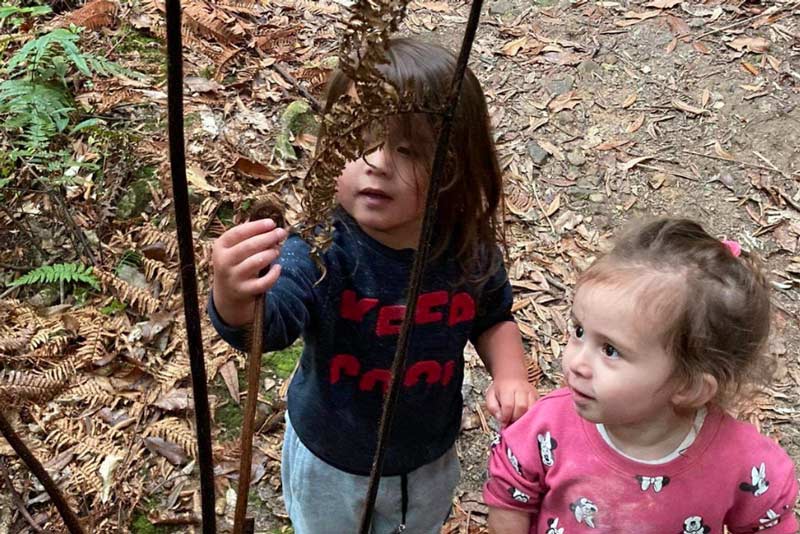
(375, 196)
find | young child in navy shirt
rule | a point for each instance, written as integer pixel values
(350, 318)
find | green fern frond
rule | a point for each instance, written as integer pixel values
(57, 273)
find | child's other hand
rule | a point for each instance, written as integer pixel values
(509, 399)
(239, 255)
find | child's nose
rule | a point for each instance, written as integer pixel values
(578, 362)
(377, 162)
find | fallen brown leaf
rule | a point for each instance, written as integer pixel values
(253, 168)
(701, 47)
(553, 206)
(552, 149)
(171, 451)
(566, 101)
(688, 108)
(175, 400)
(706, 96)
(630, 100)
(512, 48)
(721, 152)
(749, 68)
(664, 4)
(658, 179)
(758, 45)
(631, 163)
(677, 25)
(671, 46)
(774, 62)
(231, 378)
(611, 144)
(636, 124)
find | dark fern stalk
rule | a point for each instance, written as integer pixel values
(70, 519)
(183, 223)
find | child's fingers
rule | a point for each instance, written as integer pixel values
(506, 407)
(492, 404)
(252, 265)
(241, 232)
(259, 286)
(521, 404)
(255, 244)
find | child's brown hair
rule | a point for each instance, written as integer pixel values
(468, 222)
(716, 317)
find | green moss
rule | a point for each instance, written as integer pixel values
(142, 525)
(229, 417)
(282, 362)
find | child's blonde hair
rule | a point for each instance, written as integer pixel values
(716, 319)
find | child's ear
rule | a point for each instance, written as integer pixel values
(696, 392)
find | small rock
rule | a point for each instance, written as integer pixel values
(537, 153)
(697, 23)
(589, 67)
(576, 157)
(597, 197)
(610, 59)
(500, 8)
(646, 69)
(560, 86)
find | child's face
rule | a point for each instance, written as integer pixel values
(384, 193)
(615, 365)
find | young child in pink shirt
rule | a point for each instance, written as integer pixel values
(665, 330)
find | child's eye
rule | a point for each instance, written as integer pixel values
(577, 331)
(610, 351)
(405, 151)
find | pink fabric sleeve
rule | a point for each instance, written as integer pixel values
(767, 496)
(515, 469)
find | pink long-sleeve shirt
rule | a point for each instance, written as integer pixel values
(557, 467)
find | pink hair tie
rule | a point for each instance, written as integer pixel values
(734, 247)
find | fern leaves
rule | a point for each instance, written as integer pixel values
(58, 273)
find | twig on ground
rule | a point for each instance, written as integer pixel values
(541, 207)
(735, 24)
(315, 105)
(17, 498)
(738, 161)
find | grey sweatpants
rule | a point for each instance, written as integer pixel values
(321, 499)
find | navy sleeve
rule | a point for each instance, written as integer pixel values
(494, 304)
(288, 304)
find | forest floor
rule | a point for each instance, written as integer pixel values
(604, 112)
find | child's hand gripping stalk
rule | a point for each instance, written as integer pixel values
(239, 255)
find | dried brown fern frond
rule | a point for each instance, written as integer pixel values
(17, 387)
(363, 47)
(174, 430)
(13, 341)
(155, 270)
(309, 6)
(246, 7)
(51, 334)
(63, 433)
(93, 390)
(151, 236)
(138, 298)
(206, 21)
(95, 334)
(94, 15)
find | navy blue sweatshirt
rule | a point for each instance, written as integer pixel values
(350, 323)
